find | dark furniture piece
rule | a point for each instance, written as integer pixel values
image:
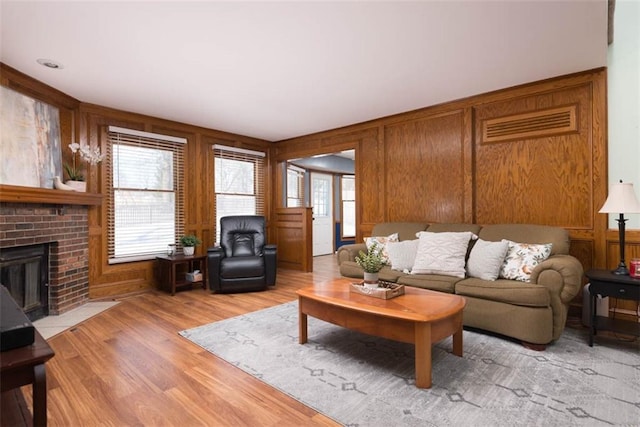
(16, 329)
(168, 272)
(607, 284)
(24, 364)
(243, 262)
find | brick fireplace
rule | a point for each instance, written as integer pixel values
(65, 230)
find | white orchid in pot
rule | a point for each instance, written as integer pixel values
(92, 156)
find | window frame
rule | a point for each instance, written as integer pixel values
(134, 138)
(342, 207)
(258, 160)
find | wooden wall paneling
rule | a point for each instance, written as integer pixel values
(468, 168)
(206, 192)
(193, 200)
(553, 163)
(545, 180)
(293, 232)
(599, 164)
(370, 184)
(425, 169)
(119, 279)
(279, 172)
(329, 142)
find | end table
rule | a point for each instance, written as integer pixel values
(168, 275)
(607, 284)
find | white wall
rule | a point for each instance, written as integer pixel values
(624, 101)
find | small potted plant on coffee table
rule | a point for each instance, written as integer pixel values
(189, 243)
(371, 262)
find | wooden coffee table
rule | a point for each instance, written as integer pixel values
(419, 317)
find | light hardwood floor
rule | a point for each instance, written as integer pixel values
(128, 365)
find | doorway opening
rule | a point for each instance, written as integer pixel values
(326, 183)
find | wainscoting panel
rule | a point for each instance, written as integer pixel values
(538, 178)
(293, 232)
(424, 161)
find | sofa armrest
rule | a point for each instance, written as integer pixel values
(562, 274)
(349, 252)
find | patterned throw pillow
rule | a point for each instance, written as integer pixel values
(381, 241)
(522, 258)
(402, 254)
(442, 253)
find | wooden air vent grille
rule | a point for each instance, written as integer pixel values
(531, 125)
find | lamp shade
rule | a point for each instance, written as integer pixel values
(622, 199)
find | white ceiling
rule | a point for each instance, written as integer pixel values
(276, 70)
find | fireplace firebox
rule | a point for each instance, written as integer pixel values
(24, 271)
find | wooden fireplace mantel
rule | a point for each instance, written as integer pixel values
(19, 194)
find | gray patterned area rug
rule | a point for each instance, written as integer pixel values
(360, 380)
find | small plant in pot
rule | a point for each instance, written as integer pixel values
(371, 262)
(189, 243)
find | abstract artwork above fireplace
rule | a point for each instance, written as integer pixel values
(30, 146)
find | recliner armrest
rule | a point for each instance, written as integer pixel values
(215, 254)
(270, 263)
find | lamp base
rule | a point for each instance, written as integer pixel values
(621, 270)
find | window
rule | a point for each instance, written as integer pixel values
(348, 195)
(239, 183)
(295, 187)
(145, 190)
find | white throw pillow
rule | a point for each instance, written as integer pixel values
(402, 254)
(522, 258)
(442, 253)
(381, 241)
(486, 259)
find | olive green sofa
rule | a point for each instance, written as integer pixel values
(533, 312)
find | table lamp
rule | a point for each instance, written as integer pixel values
(622, 199)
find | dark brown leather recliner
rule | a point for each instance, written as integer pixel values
(243, 262)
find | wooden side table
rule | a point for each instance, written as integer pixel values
(25, 365)
(168, 270)
(607, 284)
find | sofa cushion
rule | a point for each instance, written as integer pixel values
(381, 244)
(242, 267)
(405, 230)
(402, 254)
(507, 291)
(353, 270)
(434, 282)
(387, 274)
(522, 258)
(540, 234)
(442, 253)
(486, 259)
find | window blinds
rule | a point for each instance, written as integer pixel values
(145, 187)
(239, 182)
